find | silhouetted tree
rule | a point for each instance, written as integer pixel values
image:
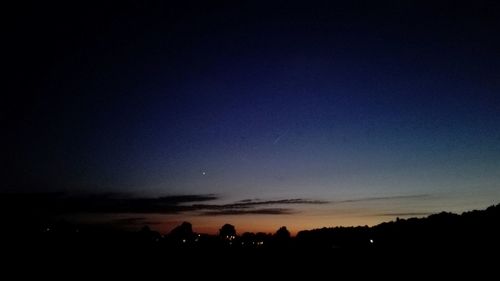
(248, 239)
(262, 239)
(227, 232)
(147, 235)
(182, 233)
(281, 238)
(145, 229)
(282, 233)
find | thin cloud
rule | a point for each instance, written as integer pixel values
(60, 203)
(383, 198)
(408, 214)
(266, 211)
(116, 203)
(249, 203)
(133, 222)
(178, 199)
(245, 200)
(282, 201)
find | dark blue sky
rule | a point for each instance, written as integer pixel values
(315, 100)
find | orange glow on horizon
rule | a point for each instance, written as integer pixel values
(270, 224)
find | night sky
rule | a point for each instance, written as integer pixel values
(259, 114)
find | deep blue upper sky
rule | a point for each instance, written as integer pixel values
(316, 100)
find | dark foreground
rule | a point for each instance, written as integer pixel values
(447, 243)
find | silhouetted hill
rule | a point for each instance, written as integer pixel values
(474, 229)
(444, 243)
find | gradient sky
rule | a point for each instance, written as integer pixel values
(361, 112)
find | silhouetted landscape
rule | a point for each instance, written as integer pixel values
(478, 229)
(243, 134)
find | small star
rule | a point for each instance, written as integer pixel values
(203, 173)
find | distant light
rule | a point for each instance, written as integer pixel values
(183, 240)
(48, 229)
(203, 173)
(371, 241)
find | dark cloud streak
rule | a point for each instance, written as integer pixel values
(60, 203)
(266, 211)
(408, 214)
(248, 203)
(133, 221)
(116, 203)
(383, 198)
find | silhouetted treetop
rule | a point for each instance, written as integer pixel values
(282, 233)
(227, 231)
(183, 231)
